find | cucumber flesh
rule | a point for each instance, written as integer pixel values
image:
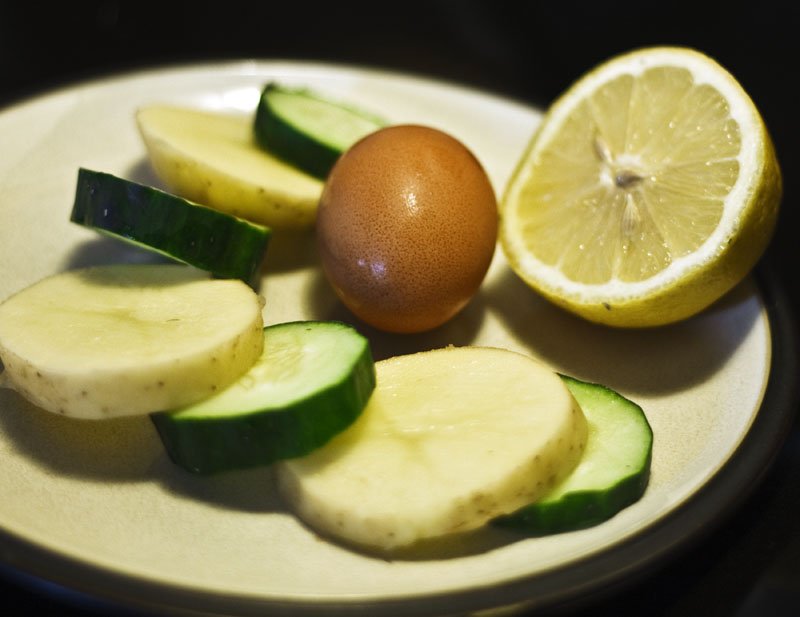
(311, 382)
(308, 130)
(222, 244)
(613, 472)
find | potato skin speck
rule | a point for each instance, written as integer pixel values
(407, 227)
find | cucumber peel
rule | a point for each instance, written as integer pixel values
(308, 130)
(226, 246)
(612, 474)
(312, 381)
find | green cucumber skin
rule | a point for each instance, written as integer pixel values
(209, 445)
(583, 508)
(296, 147)
(293, 146)
(224, 245)
(577, 510)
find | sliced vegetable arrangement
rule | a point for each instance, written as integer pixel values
(412, 448)
(612, 474)
(213, 159)
(226, 246)
(307, 130)
(311, 382)
(268, 169)
(450, 439)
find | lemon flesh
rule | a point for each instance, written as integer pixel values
(650, 189)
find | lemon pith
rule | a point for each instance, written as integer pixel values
(649, 190)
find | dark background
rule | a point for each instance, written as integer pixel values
(750, 563)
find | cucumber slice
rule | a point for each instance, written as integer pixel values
(311, 382)
(612, 474)
(224, 245)
(128, 339)
(307, 130)
(212, 158)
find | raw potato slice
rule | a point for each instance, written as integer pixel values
(213, 159)
(128, 339)
(450, 439)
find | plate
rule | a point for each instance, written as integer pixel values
(99, 509)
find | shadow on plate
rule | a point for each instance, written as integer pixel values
(451, 546)
(118, 450)
(123, 450)
(105, 250)
(142, 172)
(649, 361)
(247, 490)
(461, 330)
(291, 250)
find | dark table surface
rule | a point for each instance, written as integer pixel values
(748, 564)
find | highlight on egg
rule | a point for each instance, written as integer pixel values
(407, 228)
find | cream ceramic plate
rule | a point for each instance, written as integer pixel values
(98, 507)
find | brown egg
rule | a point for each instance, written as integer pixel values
(407, 226)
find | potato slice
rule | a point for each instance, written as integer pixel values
(450, 439)
(128, 339)
(212, 158)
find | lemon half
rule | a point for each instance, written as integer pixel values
(650, 189)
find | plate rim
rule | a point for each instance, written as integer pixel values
(95, 77)
(608, 570)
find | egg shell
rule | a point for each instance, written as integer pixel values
(407, 227)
